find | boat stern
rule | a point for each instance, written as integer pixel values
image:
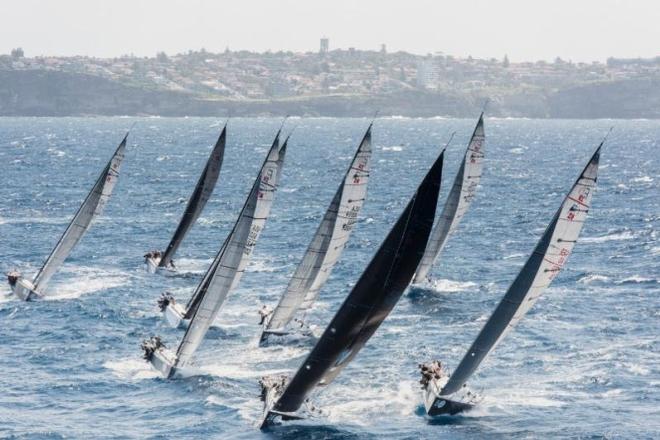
(162, 359)
(22, 288)
(434, 378)
(173, 312)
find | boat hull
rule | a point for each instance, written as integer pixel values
(24, 290)
(163, 361)
(437, 405)
(174, 315)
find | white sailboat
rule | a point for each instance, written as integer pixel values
(445, 394)
(460, 197)
(326, 246)
(157, 260)
(225, 271)
(91, 208)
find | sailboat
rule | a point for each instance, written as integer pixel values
(368, 304)
(325, 248)
(460, 197)
(155, 260)
(444, 394)
(91, 208)
(225, 271)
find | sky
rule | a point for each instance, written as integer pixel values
(525, 30)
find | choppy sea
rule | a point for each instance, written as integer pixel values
(585, 362)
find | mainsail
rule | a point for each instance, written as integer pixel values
(91, 208)
(229, 265)
(198, 199)
(459, 199)
(329, 241)
(541, 268)
(374, 296)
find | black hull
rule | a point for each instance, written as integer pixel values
(446, 407)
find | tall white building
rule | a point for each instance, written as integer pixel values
(428, 72)
(325, 45)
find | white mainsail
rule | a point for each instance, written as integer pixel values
(461, 195)
(329, 241)
(541, 268)
(229, 265)
(91, 208)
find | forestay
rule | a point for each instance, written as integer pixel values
(229, 265)
(541, 268)
(374, 296)
(460, 197)
(329, 241)
(91, 208)
(198, 199)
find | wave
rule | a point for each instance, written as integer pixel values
(593, 278)
(392, 148)
(643, 179)
(637, 279)
(625, 235)
(444, 285)
(131, 369)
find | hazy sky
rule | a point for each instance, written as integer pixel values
(581, 30)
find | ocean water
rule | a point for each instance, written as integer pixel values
(585, 362)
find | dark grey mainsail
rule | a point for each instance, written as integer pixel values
(228, 266)
(329, 241)
(371, 300)
(198, 199)
(91, 208)
(549, 256)
(461, 195)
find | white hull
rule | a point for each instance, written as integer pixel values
(24, 290)
(174, 315)
(163, 361)
(151, 264)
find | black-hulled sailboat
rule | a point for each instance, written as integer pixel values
(460, 197)
(224, 273)
(368, 304)
(155, 260)
(91, 208)
(324, 250)
(444, 394)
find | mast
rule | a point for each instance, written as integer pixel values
(330, 239)
(228, 267)
(91, 208)
(374, 296)
(199, 198)
(549, 256)
(460, 197)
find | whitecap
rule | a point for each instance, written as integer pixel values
(516, 151)
(392, 148)
(131, 369)
(588, 279)
(625, 235)
(444, 285)
(644, 179)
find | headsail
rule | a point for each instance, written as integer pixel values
(541, 268)
(329, 241)
(459, 199)
(229, 265)
(199, 198)
(91, 208)
(374, 296)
